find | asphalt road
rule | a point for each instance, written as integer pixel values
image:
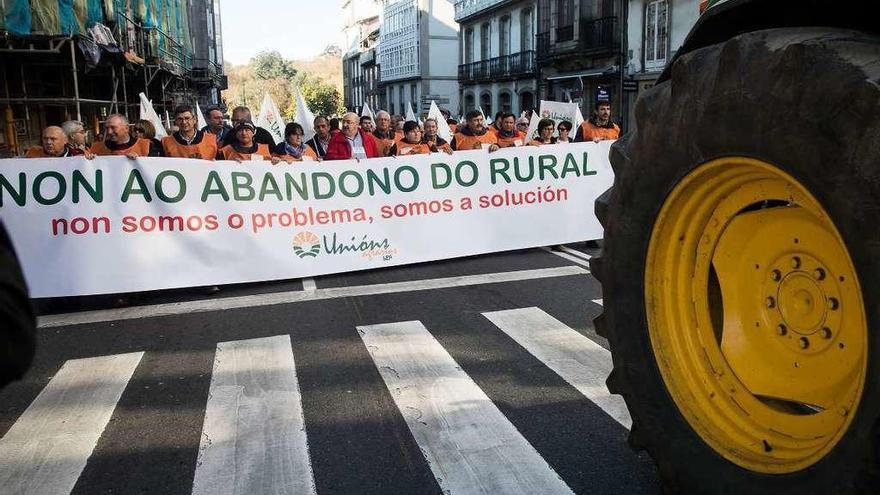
(466, 375)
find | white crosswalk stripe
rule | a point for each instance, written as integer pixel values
(47, 448)
(254, 438)
(470, 445)
(581, 362)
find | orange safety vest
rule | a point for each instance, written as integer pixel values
(230, 153)
(37, 152)
(464, 142)
(206, 149)
(309, 152)
(591, 132)
(384, 145)
(538, 142)
(411, 149)
(141, 147)
(509, 142)
(443, 147)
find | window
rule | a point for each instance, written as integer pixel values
(543, 16)
(656, 17)
(469, 103)
(485, 29)
(504, 102)
(486, 105)
(414, 96)
(469, 45)
(401, 99)
(504, 36)
(526, 39)
(564, 20)
(526, 101)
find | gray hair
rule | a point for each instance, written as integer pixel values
(119, 116)
(381, 113)
(72, 126)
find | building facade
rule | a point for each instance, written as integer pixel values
(578, 46)
(418, 54)
(498, 70)
(656, 29)
(207, 63)
(360, 70)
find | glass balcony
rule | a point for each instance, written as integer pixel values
(507, 67)
(467, 8)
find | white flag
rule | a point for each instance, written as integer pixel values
(270, 119)
(200, 117)
(443, 129)
(368, 112)
(533, 126)
(480, 108)
(148, 113)
(304, 117)
(410, 115)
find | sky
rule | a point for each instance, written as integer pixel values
(298, 29)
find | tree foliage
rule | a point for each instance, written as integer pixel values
(271, 65)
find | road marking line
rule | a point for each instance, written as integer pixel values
(581, 362)
(221, 304)
(254, 437)
(470, 445)
(46, 450)
(309, 284)
(574, 259)
(575, 252)
(599, 302)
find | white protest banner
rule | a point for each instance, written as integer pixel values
(270, 118)
(558, 111)
(113, 225)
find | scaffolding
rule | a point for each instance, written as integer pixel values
(56, 66)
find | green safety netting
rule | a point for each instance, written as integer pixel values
(24, 17)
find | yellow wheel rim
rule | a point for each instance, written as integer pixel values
(756, 316)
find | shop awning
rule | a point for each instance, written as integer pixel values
(588, 73)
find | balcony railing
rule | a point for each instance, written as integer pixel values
(504, 67)
(467, 8)
(595, 37)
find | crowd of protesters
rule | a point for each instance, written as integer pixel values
(352, 136)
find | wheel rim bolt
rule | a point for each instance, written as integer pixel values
(804, 342)
(819, 274)
(770, 302)
(795, 262)
(826, 333)
(833, 303)
(781, 330)
(776, 275)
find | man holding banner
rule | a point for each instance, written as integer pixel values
(189, 142)
(474, 136)
(321, 141)
(120, 141)
(508, 135)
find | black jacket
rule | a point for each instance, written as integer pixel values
(17, 321)
(262, 136)
(315, 144)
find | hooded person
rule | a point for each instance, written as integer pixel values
(411, 144)
(474, 135)
(245, 147)
(293, 149)
(352, 141)
(189, 141)
(243, 114)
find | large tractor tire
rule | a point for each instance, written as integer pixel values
(741, 266)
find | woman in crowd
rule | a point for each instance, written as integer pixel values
(564, 129)
(411, 144)
(144, 129)
(293, 149)
(545, 133)
(244, 148)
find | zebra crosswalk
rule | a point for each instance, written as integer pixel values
(255, 437)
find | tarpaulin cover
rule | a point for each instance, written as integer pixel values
(24, 17)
